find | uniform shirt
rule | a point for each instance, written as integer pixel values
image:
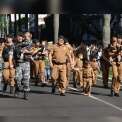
(78, 63)
(59, 53)
(95, 65)
(113, 50)
(88, 72)
(18, 56)
(27, 56)
(7, 51)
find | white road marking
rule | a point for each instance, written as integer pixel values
(98, 99)
(105, 102)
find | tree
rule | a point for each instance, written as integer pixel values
(106, 29)
(2, 25)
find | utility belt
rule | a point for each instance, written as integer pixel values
(59, 63)
(37, 59)
(7, 66)
(86, 77)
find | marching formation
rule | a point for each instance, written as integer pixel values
(23, 59)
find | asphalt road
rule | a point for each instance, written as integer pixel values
(42, 106)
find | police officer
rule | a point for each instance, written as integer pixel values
(58, 57)
(22, 55)
(78, 65)
(69, 69)
(8, 71)
(105, 65)
(113, 53)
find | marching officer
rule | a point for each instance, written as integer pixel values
(22, 55)
(105, 65)
(58, 57)
(69, 69)
(116, 66)
(9, 70)
(78, 65)
(96, 69)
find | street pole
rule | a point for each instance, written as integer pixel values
(56, 27)
(54, 6)
(106, 30)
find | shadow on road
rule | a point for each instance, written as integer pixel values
(100, 94)
(8, 96)
(40, 92)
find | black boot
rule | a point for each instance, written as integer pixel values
(11, 89)
(17, 91)
(53, 88)
(112, 93)
(36, 83)
(116, 94)
(62, 94)
(4, 88)
(26, 95)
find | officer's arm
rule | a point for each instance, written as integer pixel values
(70, 59)
(11, 59)
(50, 58)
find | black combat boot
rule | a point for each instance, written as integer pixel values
(53, 88)
(17, 91)
(4, 88)
(62, 94)
(116, 94)
(112, 93)
(26, 95)
(11, 89)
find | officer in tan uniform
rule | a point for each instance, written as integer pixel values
(96, 69)
(69, 69)
(88, 77)
(38, 63)
(9, 70)
(105, 65)
(58, 57)
(78, 65)
(35, 61)
(116, 64)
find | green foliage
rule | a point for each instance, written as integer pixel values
(2, 22)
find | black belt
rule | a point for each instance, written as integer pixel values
(87, 77)
(58, 63)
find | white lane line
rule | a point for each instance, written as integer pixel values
(98, 99)
(105, 102)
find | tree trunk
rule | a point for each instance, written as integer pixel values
(106, 30)
(56, 27)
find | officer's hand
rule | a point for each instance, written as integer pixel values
(11, 66)
(72, 66)
(111, 60)
(51, 65)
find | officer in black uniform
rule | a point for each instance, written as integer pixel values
(22, 54)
